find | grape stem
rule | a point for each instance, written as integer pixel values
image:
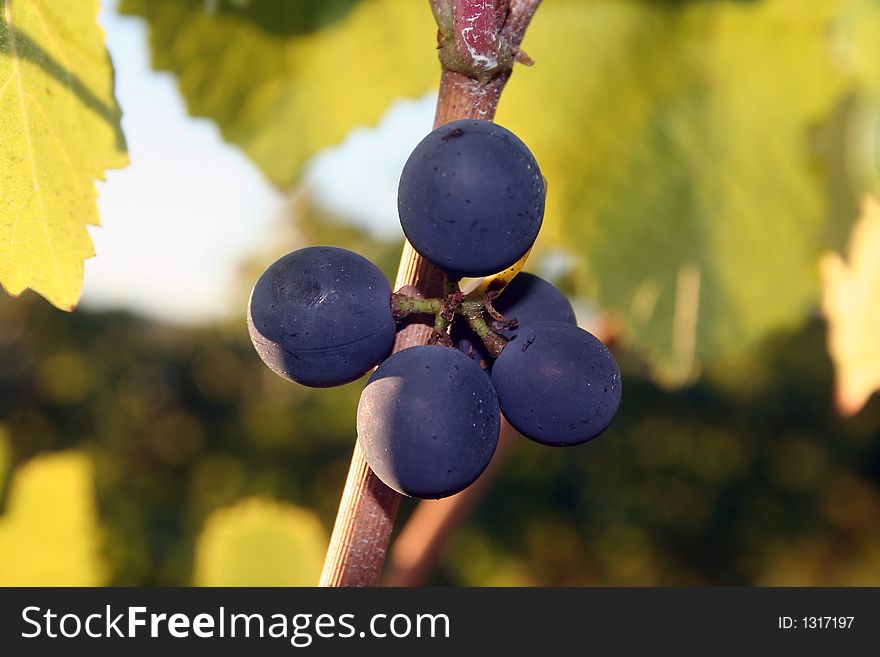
(367, 509)
(473, 313)
(402, 306)
(445, 309)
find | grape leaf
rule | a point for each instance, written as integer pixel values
(51, 504)
(59, 132)
(850, 304)
(260, 543)
(691, 192)
(281, 93)
(676, 138)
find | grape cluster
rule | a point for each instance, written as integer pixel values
(471, 202)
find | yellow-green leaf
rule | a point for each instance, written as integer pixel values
(281, 92)
(49, 535)
(260, 543)
(59, 132)
(680, 163)
(851, 304)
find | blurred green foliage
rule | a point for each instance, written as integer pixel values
(177, 423)
(745, 477)
(49, 534)
(260, 543)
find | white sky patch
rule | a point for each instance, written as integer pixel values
(553, 264)
(357, 180)
(178, 221)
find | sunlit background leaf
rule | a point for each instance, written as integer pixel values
(280, 91)
(49, 533)
(850, 303)
(260, 543)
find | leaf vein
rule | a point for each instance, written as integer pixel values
(6, 84)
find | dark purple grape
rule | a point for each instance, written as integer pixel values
(321, 316)
(557, 384)
(471, 198)
(428, 421)
(528, 299)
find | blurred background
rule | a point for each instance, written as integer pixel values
(712, 213)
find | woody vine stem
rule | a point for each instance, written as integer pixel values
(478, 42)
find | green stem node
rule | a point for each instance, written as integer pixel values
(403, 306)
